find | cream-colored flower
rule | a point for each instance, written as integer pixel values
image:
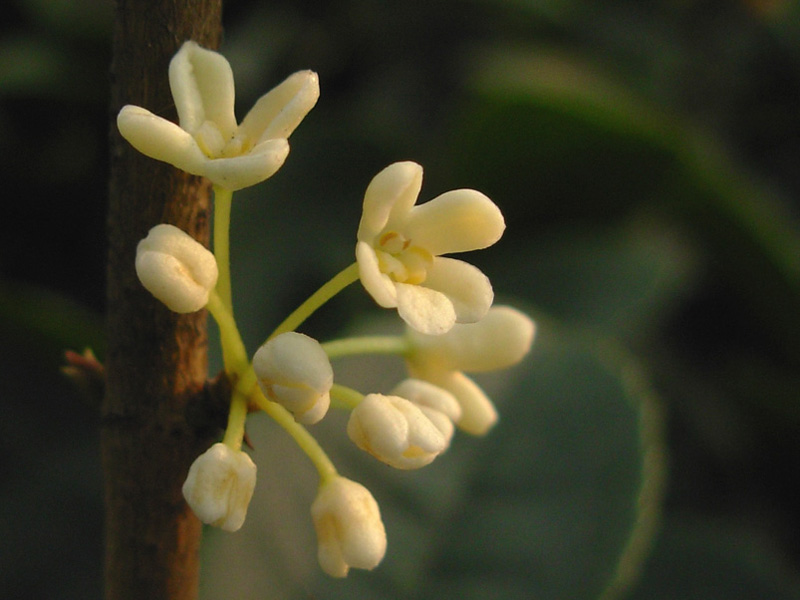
(439, 405)
(294, 371)
(400, 246)
(501, 339)
(176, 268)
(395, 431)
(208, 141)
(219, 486)
(349, 528)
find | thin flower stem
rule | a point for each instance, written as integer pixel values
(384, 344)
(237, 366)
(234, 432)
(345, 397)
(222, 230)
(300, 434)
(317, 299)
(234, 355)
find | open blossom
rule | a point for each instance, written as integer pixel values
(439, 405)
(349, 528)
(176, 268)
(207, 140)
(501, 339)
(294, 371)
(400, 246)
(219, 486)
(395, 431)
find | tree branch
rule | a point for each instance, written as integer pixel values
(156, 361)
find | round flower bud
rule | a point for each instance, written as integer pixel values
(176, 268)
(294, 371)
(349, 529)
(219, 486)
(395, 431)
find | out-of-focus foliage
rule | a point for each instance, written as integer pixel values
(645, 157)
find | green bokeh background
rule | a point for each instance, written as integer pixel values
(645, 156)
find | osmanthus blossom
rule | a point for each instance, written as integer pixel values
(395, 431)
(219, 486)
(350, 532)
(293, 370)
(501, 339)
(207, 140)
(176, 268)
(400, 247)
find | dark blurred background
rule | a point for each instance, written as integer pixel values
(645, 155)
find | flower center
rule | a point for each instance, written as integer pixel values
(401, 260)
(214, 145)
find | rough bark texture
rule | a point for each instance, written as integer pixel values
(156, 363)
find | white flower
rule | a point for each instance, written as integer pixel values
(219, 486)
(501, 339)
(349, 529)
(395, 431)
(208, 141)
(400, 246)
(439, 405)
(293, 370)
(176, 268)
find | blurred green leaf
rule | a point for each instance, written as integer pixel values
(50, 322)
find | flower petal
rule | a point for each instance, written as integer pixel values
(160, 139)
(378, 285)
(469, 290)
(278, 113)
(478, 414)
(456, 221)
(498, 341)
(248, 169)
(388, 199)
(424, 309)
(201, 81)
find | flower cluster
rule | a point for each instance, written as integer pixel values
(451, 326)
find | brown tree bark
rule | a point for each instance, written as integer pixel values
(156, 363)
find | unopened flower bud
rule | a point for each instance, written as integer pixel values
(294, 371)
(176, 268)
(349, 529)
(219, 486)
(439, 405)
(395, 431)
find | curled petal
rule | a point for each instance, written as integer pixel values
(456, 221)
(278, 113)
(423, 393)
(378, 285)
(160, 139)
(388, 199)
(426, 310)
(201, 81)
(478, 414)
(437, 404)
(467, 288)
(498, 341)
(248, 169)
